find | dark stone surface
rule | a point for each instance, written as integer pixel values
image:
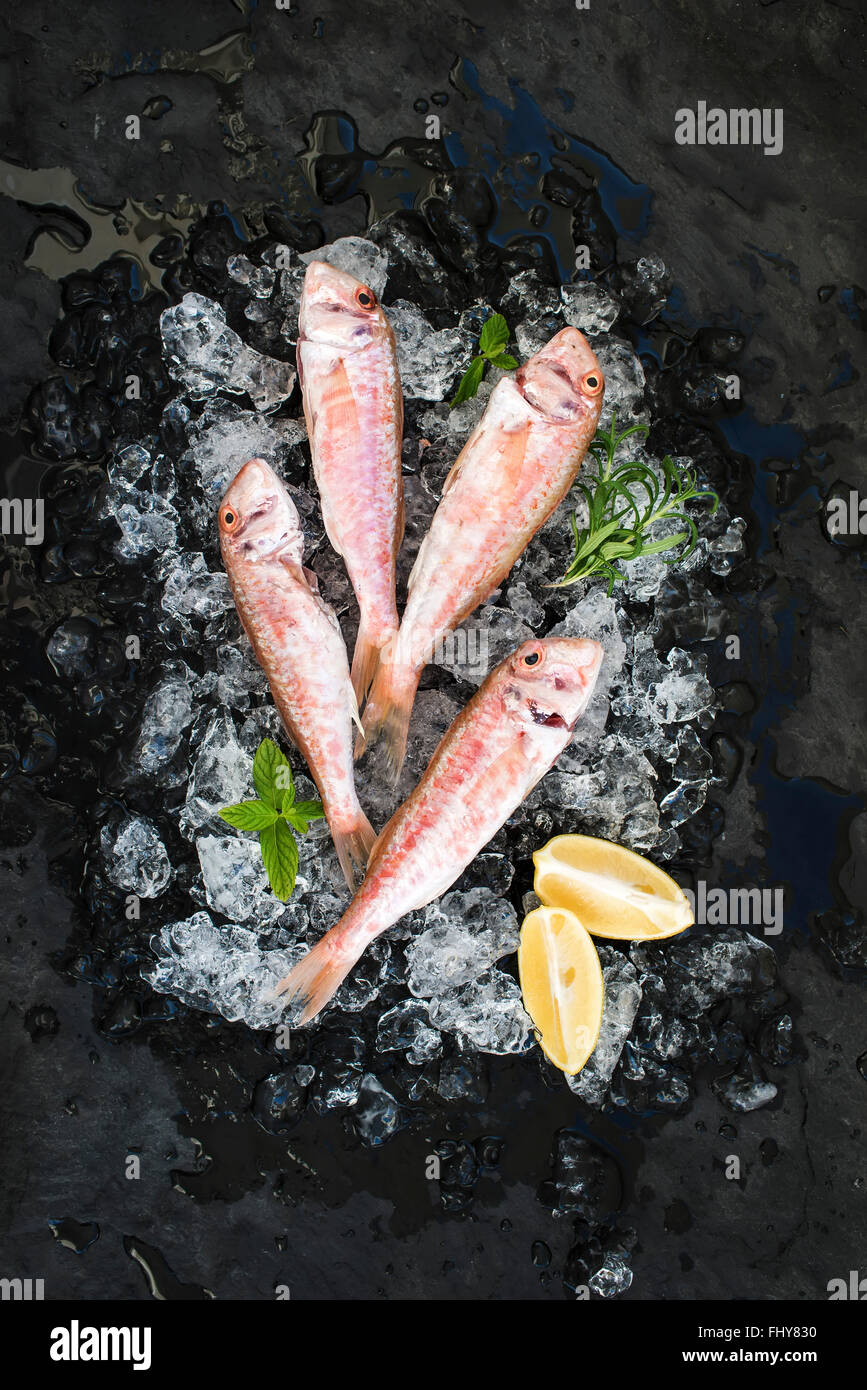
(343, 1221)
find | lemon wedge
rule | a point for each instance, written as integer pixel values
(561, 981)
(613, 892)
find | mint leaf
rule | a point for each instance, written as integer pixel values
(284, 785)
(504, 362)
(265, 764)
(470, 381)
(302, 813)
(248, 815)
(280, 856)
(495, 335)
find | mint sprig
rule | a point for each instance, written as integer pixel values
(272, 815)
(492, 348)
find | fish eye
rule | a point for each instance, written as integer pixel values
(229, 519)
(365, 297)
(593, 383)
(532, 658)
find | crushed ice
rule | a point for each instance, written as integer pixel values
(447, 975)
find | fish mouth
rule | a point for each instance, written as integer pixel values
(552, 380)
(550, 390)
(329, 292)
(265, 531)
(552, 719)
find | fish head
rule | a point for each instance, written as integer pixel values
(339, 311)
(563, 381)
(549, 682)
(257, 519)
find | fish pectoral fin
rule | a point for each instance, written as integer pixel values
(330, 528)
(300, 573)
(452, 475)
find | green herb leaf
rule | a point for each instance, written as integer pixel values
(470, 381)
(284, 785)
(249, 815)
(280, 856)
(302, 813)
(619, 523)
(492, 344)
(494, 336)
(272, 775)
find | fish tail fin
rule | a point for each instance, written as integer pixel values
(353, 843)
(387, 712)
(365, 660)
(318, 975)
(368, 655)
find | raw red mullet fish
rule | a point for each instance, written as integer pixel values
(495, 752)
(354, 412)
(298, 644)
(514, 469)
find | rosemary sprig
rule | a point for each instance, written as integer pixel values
(618, 527)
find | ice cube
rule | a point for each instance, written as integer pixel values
(527, 295)
(745, 1089)
(167, 712)
(723, 550)
(487, 1014)
(234, 879)
(589, 307)
(221, 970)
(377, 1115)
(428, 361)
(464, 934)
(612, 1278)
(221, 441)
(648, 290)
(128, 465)
(624, 383)
(406, 1029)
(683, 693)
(258, 279)
(222, 774)
(532, 334)
(147, 523)
(206, 355)
(191, 590)
(622, 998)
(135, 856)
(364, 982)
(357, 256)
(482, 642)
(239, 676)
(456, 426)
(524, 605)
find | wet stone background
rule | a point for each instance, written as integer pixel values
(306, 1168)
